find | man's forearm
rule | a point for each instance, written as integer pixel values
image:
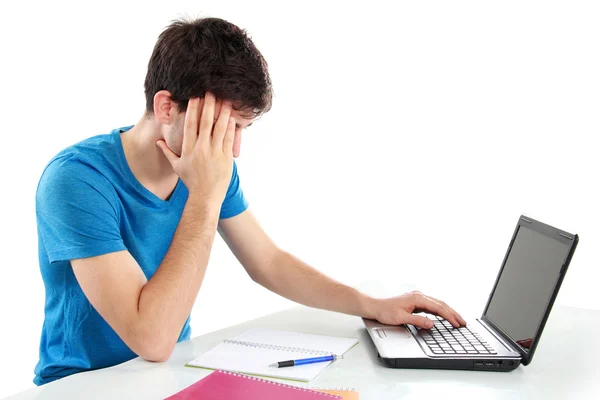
(293, 279)
(166, 300)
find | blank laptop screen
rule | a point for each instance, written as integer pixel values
(526, 285)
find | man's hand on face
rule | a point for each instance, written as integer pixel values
(399, 310)
(206, 161)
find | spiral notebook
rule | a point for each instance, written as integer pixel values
(254, 350)
(221, 385)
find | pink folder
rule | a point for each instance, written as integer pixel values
(221, 385)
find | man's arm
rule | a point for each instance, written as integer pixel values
(149, 315)
(290, 277)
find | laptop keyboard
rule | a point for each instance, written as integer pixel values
(443, 338)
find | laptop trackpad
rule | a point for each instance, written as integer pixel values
(394, 341)
(397, 331)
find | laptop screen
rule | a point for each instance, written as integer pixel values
(526, 285)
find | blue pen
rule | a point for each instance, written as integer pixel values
(291, 363)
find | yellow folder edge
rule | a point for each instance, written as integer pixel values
(345, 394)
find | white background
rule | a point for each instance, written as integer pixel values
(404, 142)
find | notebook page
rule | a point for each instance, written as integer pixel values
(255, 361)
(329, 344)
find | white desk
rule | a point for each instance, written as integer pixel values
(565, 366)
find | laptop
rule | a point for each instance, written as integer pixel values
(509, 330)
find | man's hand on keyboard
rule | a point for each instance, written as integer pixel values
(399, 310)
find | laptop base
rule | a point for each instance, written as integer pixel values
(466, 364)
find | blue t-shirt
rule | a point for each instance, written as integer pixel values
(89, 203)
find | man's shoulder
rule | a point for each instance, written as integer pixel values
(99, 147)
(89, 160)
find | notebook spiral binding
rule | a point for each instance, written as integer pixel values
(253, 378)
(274, 347)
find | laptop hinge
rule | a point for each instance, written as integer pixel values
(509, 346)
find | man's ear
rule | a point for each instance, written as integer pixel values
(165, 109)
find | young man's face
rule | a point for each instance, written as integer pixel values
(174, 137)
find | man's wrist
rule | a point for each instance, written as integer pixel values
(201, 200)
(368, 306)
(202, 206)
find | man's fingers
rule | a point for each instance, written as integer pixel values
(229, 136)
(207, 119)
(436, 308)
(456, 315)
(420, 321)
(172, 157)
(453, 311)
(190, 127)
(218, 108)
(237, 141)
(222, 125)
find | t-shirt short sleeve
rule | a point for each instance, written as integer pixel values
(235, 203)
(77, 212)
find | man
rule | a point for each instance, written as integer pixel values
(127, 220)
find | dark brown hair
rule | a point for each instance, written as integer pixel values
(208, 54)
